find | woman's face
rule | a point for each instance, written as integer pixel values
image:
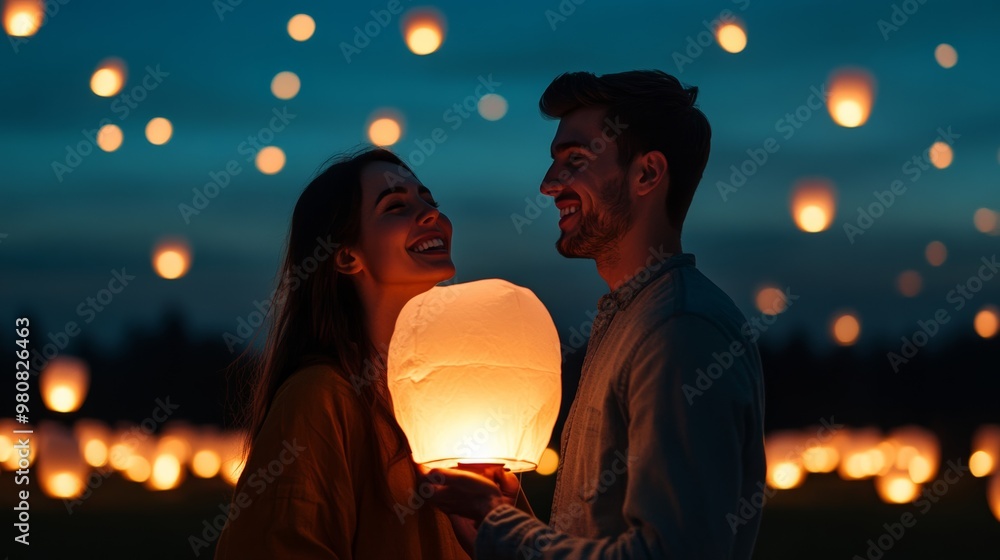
(404, 238)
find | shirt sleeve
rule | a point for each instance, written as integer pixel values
(296, 496)
(685, 471)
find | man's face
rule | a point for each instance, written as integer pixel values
(588, 185)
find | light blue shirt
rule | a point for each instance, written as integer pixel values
(663, 450)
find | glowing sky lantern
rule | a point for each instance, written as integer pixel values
(784, 460)
(846, 329)
(896, 488)
(946, 55)
(166, 472)
(985, 450)
(549, 462)
(771, 300)
(813, 204)
(732, 37)
(851, 96)
(171, 258)
(987, 321)
(385, 129)
(285, 85)
(909, 283)
(270, 160)
(424, 30)
(993, 495)
(23, 18)
(940, 154)
(820, 458)
(8, 455)
(492, 107)
(64, 383)
(301, 27)
(110, 137)
(474, 374)
(158, 131)
(986, 221)
(936, 253)
(922, 465)
(861, 454)
(61, 470)
(93, 439)
(109, 78)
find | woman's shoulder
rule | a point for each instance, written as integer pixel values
(320, 384)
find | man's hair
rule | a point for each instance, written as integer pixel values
(659, 114)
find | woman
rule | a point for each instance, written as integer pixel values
(328, 473)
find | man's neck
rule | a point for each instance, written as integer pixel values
(636, 251)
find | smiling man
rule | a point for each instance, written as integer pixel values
(648, 471)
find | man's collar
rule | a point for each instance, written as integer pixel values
(619, 298)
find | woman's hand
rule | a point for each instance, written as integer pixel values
(467, 494)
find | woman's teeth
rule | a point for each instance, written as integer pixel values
(428, 245)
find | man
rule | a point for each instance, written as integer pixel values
(665, 436)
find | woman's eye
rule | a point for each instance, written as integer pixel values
(393, 207)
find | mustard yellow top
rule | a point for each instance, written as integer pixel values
(309, 489)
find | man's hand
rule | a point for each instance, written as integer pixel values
(471, 495)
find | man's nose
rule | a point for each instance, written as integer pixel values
(551, 185)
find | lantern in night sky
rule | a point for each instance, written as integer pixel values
(474, 374)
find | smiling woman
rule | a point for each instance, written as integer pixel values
(320, 384)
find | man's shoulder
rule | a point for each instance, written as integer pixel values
(686, 291)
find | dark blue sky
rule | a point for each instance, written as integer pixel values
(64, 237)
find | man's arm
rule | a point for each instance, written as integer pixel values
(686, 458)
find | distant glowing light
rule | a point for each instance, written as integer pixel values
(62, 485)
(846, 329)
(23, 18)
(941, 154)
(285, 85)
(270, 160)
(205, 463)
(301, 27)
(109, 78)
(771, 300)
(993, 495)
(813, 204)
(172, 259)
(548, 463)
(820, 459)
(987, 322)
(138, 469)
(110, 137)
(166, 473)
(946, 55)
(981, 464)
(986, 220)
(158, 131)
(785, 475)
(909, 283)
(384, 131)
(424, 30)
(896, 489)
(492, 107)
(936, 253)
(851, 96)
(64, 383)
(731, 37)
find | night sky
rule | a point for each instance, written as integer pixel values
(63, 233)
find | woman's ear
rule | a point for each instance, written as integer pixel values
(346, 261)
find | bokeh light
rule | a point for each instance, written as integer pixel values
(896, 488)
(301, 27)
(987, 321)
(158, 131)
(936, 253)
(851, 96)
(171, 258)
(385, 131)
(166, 472)
(110, 137)
(109, 78)
(731, 37)
(424, 30)
(771, 300)
(23, 18)
(981, 464)
(206, 463)
(270, 160)
(64, 383)
(549, 462)
(285, 85)
(846, 329)
(813, 204)
(986, 220)
(941, 154)
(492, 107)
(946, 55)
(909, 283)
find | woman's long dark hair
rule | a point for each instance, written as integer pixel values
(316, 316)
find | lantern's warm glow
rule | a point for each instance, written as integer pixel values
(9, 456)
(993, 495)
(474, 374)
(862, 454)
(909, 283)
(731, 37)
(110, 137)
(109, 78)
(270, 160)
(820, 459)
(166, 472)
(919, 453)
(987, 322)
(549, 462)
(946, 55)
(936, 253)
(171, 258)
(986, 221)
(896, 488)
(232, 457)
(23, 18)
(981, 464)
(138, 469)
(785, 475)
(119, 455)
(174, 444)
(158, 131)
(62, 485)
(846, 329)
(851, 95)
(285, 85)
(771, 300)
(424, 30)
(920, 469)
(95, 453)
(941, 154)
(492, 106)
(64, 383)
(92, 439)
(813, 205)
(231, 469)
(61, 471)
(783, 453)
(384, 131)
(206, 463)
(301, 27)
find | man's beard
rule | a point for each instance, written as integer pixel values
(599, 230)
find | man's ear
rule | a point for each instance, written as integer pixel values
(346, 261)
(650, 171)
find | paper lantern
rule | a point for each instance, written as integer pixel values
(474, 374)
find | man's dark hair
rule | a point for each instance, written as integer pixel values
(659, 114)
